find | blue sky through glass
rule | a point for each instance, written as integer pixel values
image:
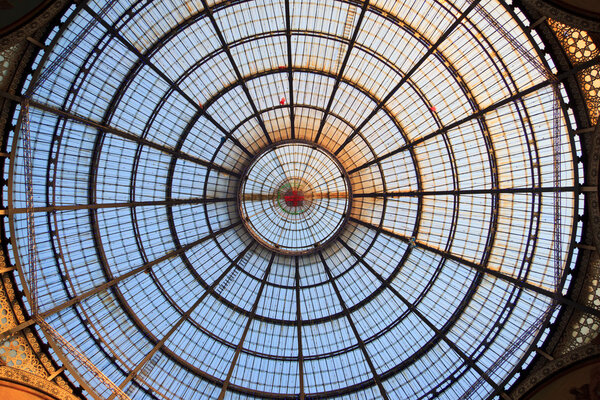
(450, 166)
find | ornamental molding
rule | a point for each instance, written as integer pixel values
(36, 382)
(551, 368)
(563, 16)
(594, 171)
(29, 29)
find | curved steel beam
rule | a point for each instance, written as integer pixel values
(416, 66)
(486, 270)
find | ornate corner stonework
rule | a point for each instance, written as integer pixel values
(551, 368)
(22, 351)
(553, 12)
(29, 29)
(36, 382)
(579, 47)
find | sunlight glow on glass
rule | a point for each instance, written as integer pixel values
(353, 228)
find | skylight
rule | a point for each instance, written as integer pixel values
(415, 254)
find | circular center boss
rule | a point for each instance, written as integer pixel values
(294, 197)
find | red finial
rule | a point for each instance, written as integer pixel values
(293, 198)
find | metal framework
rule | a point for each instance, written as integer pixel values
(136, 133)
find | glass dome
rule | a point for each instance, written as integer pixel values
(296, 199)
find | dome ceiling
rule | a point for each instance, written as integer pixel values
(290, 198)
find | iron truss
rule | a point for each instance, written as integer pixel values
(135, 134)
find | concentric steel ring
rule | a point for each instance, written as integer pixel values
(295, 197)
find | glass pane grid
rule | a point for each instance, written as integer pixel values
(328, 222)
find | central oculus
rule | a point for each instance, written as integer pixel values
(294, 198)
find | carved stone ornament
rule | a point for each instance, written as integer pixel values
(30, 28)
(553, 367)
(593, 196)
(33, 381)
(563, 16)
